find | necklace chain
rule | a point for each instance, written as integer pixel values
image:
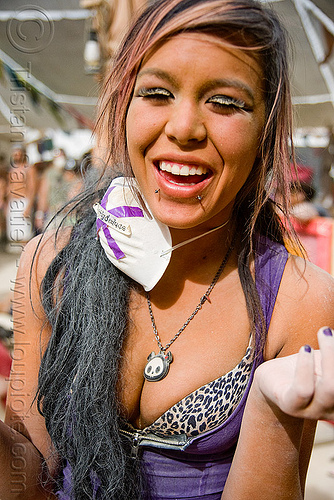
(203, 299)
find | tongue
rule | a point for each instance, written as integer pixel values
(182, 179)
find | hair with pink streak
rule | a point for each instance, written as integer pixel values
(246, 24)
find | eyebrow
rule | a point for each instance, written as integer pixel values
(158, 72)
(210, 85)
(231, 83)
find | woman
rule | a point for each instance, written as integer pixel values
(59, 184)
(155, 314)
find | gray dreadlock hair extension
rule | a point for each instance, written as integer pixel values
(80, 368)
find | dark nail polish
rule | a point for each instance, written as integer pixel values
(307, 348)
(328, 332)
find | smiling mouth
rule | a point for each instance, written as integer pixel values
(182, 174)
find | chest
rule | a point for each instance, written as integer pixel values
(211, 344)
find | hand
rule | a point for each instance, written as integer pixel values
(302, 385)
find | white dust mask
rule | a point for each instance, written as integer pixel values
(130, 236)
(134, 241)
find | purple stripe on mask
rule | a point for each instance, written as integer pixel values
(126, 211)
(113, 245)
(119, 212)
(106, 195)
(122, 211)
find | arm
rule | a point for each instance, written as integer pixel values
(20, 466)
(275, 441)
(285, 391)
(25, 445)
(266, 462)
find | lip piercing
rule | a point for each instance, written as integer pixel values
(199, 197)
(157, 191)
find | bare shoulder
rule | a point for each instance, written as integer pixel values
(305, 303)
(39, 252)
(44, 248)
(311, 284)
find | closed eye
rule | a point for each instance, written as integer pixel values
(158, 93)
(227, 103)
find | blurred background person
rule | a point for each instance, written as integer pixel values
(303, 209)
(60, 182)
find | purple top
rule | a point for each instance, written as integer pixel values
(201, 469)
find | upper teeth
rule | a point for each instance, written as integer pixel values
(177, 169)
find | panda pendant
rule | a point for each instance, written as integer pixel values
(157, 366)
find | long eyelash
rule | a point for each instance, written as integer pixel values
(155, 92)
(228, 101)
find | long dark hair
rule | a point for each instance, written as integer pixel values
(86, 299)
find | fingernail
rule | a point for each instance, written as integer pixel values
(328, 332)
(307, 348)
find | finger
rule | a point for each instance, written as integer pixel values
(302, 386)
(326, 386)
(326, 338)
(304, 375)
(326, 345)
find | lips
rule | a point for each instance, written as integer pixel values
(182, 174)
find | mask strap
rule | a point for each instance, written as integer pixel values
(165, 252)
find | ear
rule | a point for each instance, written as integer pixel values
(150, 356)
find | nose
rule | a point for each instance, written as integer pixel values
(185, 123)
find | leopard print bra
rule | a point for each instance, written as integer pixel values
(206, 407)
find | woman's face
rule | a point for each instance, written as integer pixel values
(193, 128)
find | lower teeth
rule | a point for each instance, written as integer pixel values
(183, 184)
